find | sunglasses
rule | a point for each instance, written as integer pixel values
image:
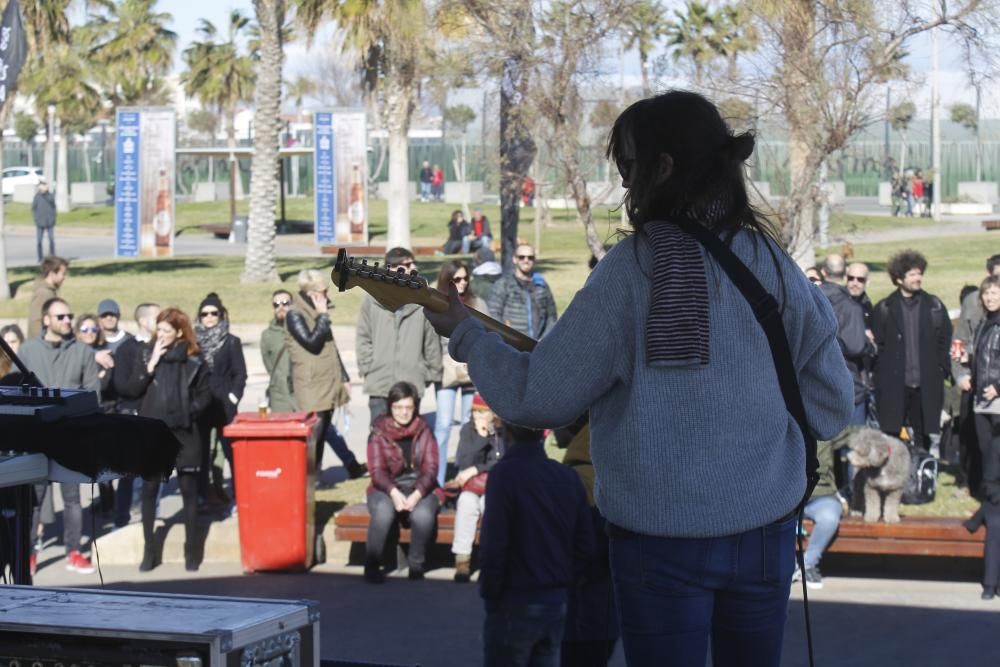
(857, 279)
(88, 329)
(63, 316)
(531, 257)
(281, 304)
(109, 314)
(462, 279)
(209, 313)
(408, 264)
(816, 280)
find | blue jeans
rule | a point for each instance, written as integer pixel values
(425, 191)
(40, 233)
(445, 399)
(471, 244)
(674, 594)
(825, 513)
(522, 635)
(339, 446)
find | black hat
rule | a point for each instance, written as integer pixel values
(213, 300)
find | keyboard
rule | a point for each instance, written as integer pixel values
(18, 468)
(47, 404)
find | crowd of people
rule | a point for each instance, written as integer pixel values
(638, 518)
(912, 193)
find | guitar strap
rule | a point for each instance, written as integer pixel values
(765, 309)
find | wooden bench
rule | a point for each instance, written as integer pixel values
(378, 251)
(351, 525)
(914, 536)
(990, 225)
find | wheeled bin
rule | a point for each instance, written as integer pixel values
(275, 461)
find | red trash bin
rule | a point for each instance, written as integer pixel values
(275, 461)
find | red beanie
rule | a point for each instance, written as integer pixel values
(478, 403)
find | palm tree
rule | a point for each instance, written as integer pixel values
(734, 34)
(136, 48)
(900, 117)
(690, 33)
(220, 74)
(300, 88)
(259, 265)
(644, 26)
(392, 44)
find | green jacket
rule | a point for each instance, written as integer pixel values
(317, 377)
(278, 362)
(825, 449)
(67, 364)
(395, 347)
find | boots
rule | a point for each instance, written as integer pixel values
(356, 470)
(373, 572)
(148, 557)
(190, 557)
(973, 523)
(463, 568)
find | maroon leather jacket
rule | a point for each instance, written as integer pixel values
(385, 458)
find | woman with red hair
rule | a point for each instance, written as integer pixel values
(174, 384)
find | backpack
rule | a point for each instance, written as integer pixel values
(922, 483)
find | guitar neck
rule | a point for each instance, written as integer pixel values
(438, 302)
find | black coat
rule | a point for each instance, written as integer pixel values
(890, 364)
(128, 363)
(228, 376)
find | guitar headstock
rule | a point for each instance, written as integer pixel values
(393, 288)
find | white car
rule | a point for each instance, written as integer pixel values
(17, 175)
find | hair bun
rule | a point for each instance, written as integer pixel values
(740, 147)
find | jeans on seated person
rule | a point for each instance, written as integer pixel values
(468, 509)
(825, 513)
(383, 515)
(674, 595)
(470, 244)
(445, 399)
(522, 635)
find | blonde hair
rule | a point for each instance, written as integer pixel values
(312, 280)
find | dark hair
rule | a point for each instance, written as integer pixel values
(51, 264)
(5, 362)
(992, 263)
(401, 390)
(447, 274)
(49, 303)
(396, 255)
(99, 341)
(280, 291)
(707, 163)
(991, 281)
(180, 321)
(142, 309)
(522, 434)
(456, 214)
(966, 291)
(903, 261)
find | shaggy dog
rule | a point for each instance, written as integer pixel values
(882, 466)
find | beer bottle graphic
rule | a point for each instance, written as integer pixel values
(162, 219)
(356, 204)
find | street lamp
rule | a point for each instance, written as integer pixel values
(51, 147)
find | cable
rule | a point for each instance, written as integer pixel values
(93, 533)
(805, 593)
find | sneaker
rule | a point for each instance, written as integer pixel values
(77, 562)
(356, 470)
(814, 579)
(797, 574)
(463, 569)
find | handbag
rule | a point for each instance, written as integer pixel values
(477, 484)
(455, 374)
(406, 482)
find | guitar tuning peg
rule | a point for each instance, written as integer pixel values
(413, 273)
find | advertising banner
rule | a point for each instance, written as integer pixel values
(341, 145)
(144, 182)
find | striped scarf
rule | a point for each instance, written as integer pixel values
(677, 329)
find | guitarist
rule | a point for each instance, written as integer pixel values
(699, 463)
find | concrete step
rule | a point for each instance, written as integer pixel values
(124, 546)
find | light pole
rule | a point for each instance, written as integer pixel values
(50, 145)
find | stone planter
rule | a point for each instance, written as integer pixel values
(962, 208)
(980, 192)
(836, 191)
(212, 192)
(24, 193)
(93, 192)
(885, 193)
(467, 191)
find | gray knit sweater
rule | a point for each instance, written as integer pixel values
(682, 452)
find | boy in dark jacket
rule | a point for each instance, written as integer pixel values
(536, 534)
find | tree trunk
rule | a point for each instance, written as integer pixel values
(798, 211)
(398, 235)
(644, 66)
(233, 164)
(62, 191)
(260, 260)
(86, 163)
(902, 151)
(568, 145)
(4, 284)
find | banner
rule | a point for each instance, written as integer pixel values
(144, 183)
(324, 186)
(341, 186)
(13, 49)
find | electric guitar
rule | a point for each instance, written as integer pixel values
(394, 288)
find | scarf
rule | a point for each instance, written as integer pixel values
(168, 401)
(211, 340)
(387, 430)
(677, 329)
